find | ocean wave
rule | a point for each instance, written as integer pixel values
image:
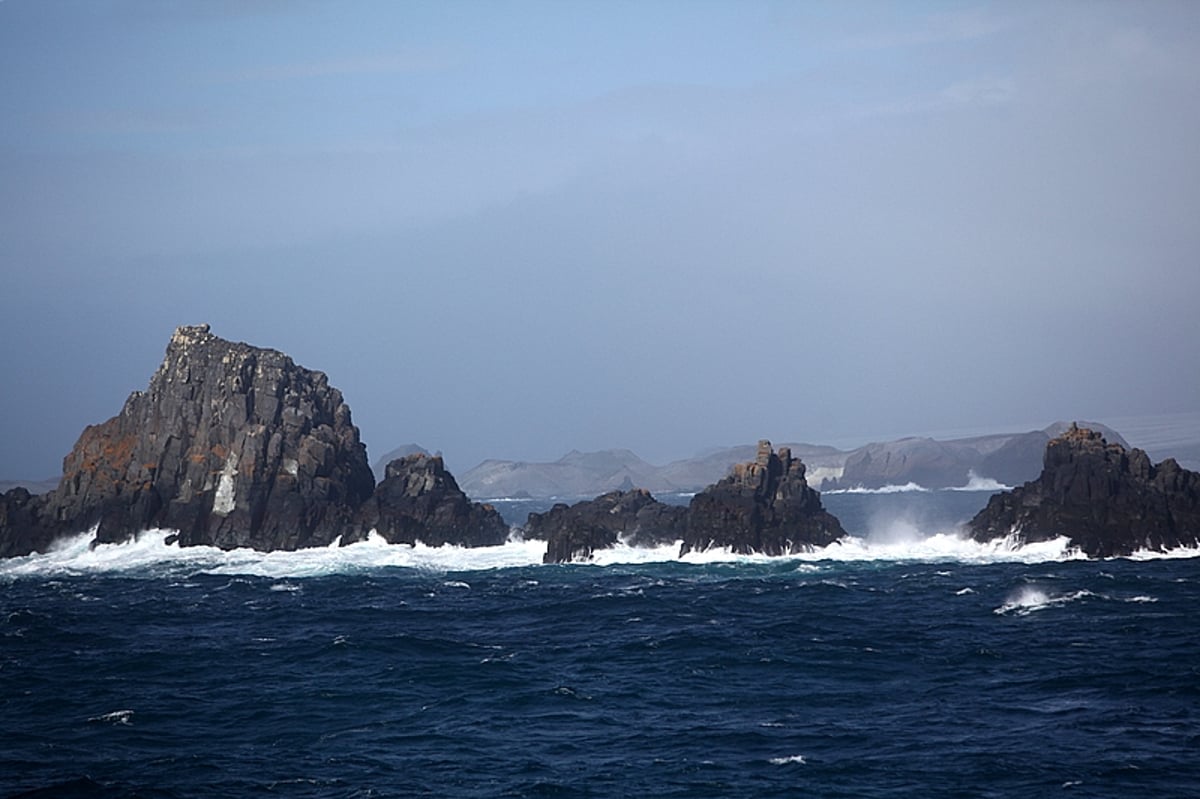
(1032, 598)
(974, 483)
(907, 488)
(977, 483)
(149, 556)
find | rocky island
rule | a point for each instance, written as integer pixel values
(764, 506)
(231, 446)
(1109, 501)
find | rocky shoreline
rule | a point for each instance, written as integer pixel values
(234, 446)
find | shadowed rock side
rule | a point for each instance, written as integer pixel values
(419, 500)
(635, 517)
(763, 507)
(1108, 501)
(231, 446)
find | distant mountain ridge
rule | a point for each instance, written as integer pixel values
(1007, 458)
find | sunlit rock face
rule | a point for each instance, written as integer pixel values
(1107, 500)
(230, 445)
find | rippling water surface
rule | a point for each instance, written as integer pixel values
(943, 669)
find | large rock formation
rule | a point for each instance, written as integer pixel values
(763, 507)
(633, 517)
(1109, 501)
(419, 500)
(232, 446)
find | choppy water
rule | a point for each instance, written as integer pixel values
(919, 666)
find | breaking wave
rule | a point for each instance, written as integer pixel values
(149, 556)
(977, 483)
(907, 488)
(974, 483)
(1032, 598)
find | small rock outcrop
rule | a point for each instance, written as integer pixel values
(634, 517)
(763, 507)
(419, 500)
(1107, 500)
(236, 446)
(24, 524)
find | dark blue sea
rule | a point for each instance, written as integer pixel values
(909, 663)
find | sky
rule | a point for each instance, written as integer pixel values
(511, 229)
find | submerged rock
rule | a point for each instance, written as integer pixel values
(231, 446)
(1107, 500)
(635, 517)
(764, 507)
(419, 500)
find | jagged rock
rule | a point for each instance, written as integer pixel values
(419, 500)
(231, 445)
(763, 507)
(635, 517)
(24, 527)
(237, 446)
(1107, 500)
(379, 468)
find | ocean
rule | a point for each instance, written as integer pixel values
(905, 663)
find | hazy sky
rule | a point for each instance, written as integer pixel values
(512, 229)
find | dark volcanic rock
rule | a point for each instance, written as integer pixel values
(231, 445)
(635, 517)
(23, 525)
(379, 468)
(1109, 501)
(237, 446)
(765, 507)
(419, 500)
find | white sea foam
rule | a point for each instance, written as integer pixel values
(907, 488)
(783, 761)
(1179, 552)
(149, 556)
(977, 483)
(116, 717)
(974, 483)
(1032, 598)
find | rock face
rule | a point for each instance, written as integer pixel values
(419, 500)
(577, 531)
(24, 523)
(1109, 501)
(231, 445)
(234, 446)
(763, 507)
